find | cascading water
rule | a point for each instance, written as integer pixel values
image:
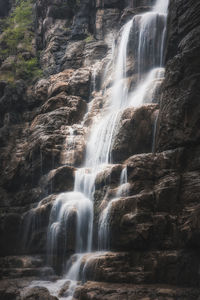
(123, 185)
(104, 228)
(78, 205)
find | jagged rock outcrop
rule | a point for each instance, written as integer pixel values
(154, 225)
(179, 117)
(135, 133)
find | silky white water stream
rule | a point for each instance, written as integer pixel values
(78, 204)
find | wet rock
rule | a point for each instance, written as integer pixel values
(134, 9)
(34, 226)
(152, 216)
(157, 222)
(99, 290)
(109, 176)
(37, 293)
(64, 290)
(142, 267)
(10, 289)
(135, 133)
(59, 180)
(73, 151)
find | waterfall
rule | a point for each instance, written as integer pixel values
(77, 206)
(161, 6)
(150, 47)
(152, 30)
(104, 226)
(145, 91)
(120, 89)
(70, 144)
(123, 185)
(154, 132)
(100, 142)
(65, 206)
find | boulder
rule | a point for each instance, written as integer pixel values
(135, 133)
(63, 100)
(59, 180)
(37, 293)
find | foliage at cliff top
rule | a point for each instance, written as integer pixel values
(17, 41)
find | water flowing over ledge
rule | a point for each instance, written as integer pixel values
(76, 207)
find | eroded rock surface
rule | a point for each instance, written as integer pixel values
(154, 222)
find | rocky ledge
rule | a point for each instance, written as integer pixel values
(155, 228)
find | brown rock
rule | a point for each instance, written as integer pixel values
(105, 19)
(135, 133)
(179, 115)
(101, 290)
(62, 100)
(59, 180)
(38, 293)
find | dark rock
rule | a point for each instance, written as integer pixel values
(5, 6)
(106, 19)
(107, 291)
(37, 293)
(143, 267)
(154, 222)
(2, 87)
(135, 133)
(73, 56)
(179, 118)
(9, 228)
(59, 180)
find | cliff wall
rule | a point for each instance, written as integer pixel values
(155, 230)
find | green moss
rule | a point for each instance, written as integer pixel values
(27, 69)
(89, 38)
(17, 37)
(18, 28)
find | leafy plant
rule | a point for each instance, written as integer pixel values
(89, 38)
(27, 69)
(17, 37)
(18, 28)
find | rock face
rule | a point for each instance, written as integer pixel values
(135, 134)
(154, 233)
(179, 117)
(38, 293)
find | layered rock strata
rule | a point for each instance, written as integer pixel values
(154, 230)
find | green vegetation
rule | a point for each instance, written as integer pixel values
(89, 38)
(17, 39)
